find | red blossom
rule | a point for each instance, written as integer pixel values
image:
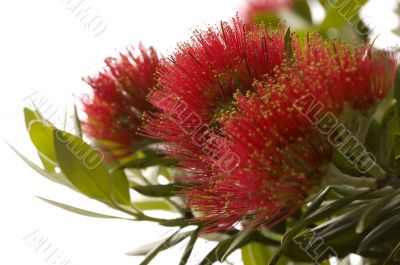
(114, 111)
(281, 153)
(200, 80)
(276, 154)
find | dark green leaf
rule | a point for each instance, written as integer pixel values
(393, 257)
(373, 137)
(378, 235)
(317, 215)
(373, 212)
(302, 8)
(147, 162)
(158, 190)
(316, 203)
(288, 44)
(237, 242)
(189, 247)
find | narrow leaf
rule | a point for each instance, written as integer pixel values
(58, 178)
(288, 44)
(158, 190)
(81, 211)
(160, 247)
(189, 246)
(146, 249)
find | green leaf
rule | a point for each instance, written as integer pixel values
(373, 212)
(256, 254)
(396, 147)
(327, 210)
(373, 136)
(153, 253)
(81, 211)
(189, 246)
(267, 18)
(316, 203)
(34, 117)
(30, 116)
(340, 12)
(153, 205)
(237, 242)
(379, 235)
(317, 215)
(343, 223)
(58, 178)
(120, 188)
(302, 8)
(227, 246)
(390, 129)
(77, 122)
(343, 163)
(216, 253)
(146, 249)
(42, 137)
(83, 166)
(148, 159)
(368, 194)
(391, 258)
(158, 190)
(288, 45)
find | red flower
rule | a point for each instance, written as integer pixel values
(258, 161)
(114, 111)
(201, 78)
(281, 152)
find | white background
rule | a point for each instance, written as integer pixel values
(44, 48)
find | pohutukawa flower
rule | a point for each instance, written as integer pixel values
(114, 111)
(281, 153)
(274, 151)
(200, 80)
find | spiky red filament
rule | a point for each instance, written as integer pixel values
(115, 108)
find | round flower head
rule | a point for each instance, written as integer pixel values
(281, 147)
(115, 109)
(200, 80)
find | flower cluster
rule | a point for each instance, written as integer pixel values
(114, 111)
(282, 156)
(236, 81)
